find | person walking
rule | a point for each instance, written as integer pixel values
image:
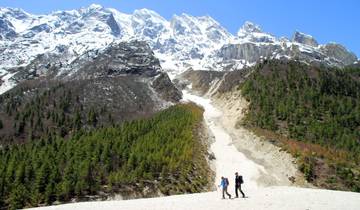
(238, 181)
(224, 185)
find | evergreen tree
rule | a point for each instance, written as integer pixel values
(92, 117)
(18, 197)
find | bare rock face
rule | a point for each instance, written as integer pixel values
(214, 82)
(249, 52)
(339, 52)
(133, 60)
(115, 29)
(123, 58)
(263, 46)
(304, 39)
(166, 88)
(6, 30)
(201, 81)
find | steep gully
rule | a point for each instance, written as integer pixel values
(228, 159)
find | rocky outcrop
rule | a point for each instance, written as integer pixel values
(249, 52)
(249, 27)
(339, 52)
(303, 48)
(6, 30)
(214, 82)
(115, 29)
(123, 58)
(163, 85)
(200, 81)
(304, 39)
(253, 45)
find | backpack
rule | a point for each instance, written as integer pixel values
(241, 180)
(226, 181)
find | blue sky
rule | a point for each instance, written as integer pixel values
(332, 20)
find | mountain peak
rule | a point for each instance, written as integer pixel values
(208, 19)
(303, 38)
(184, 40)
(92, 8)
(250, 27)
(8, 9)
(14, 12)
(95, 7)
(146, 13)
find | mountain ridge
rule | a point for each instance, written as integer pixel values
(180, 43)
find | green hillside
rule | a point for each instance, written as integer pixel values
(159, 153)
(314, 105)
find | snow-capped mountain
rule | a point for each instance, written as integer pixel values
(59, 38)
(252, 45)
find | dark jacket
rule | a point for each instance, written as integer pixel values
(238, 180)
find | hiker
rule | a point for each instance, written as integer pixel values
(224, 185)
(238, 181)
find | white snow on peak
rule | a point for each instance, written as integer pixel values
(94, 7)
(180, 43)
(60, 13)
(252, 33)
(183, 41)
(148, 13)
(13, 11)
(249, 27)
(17, 17)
